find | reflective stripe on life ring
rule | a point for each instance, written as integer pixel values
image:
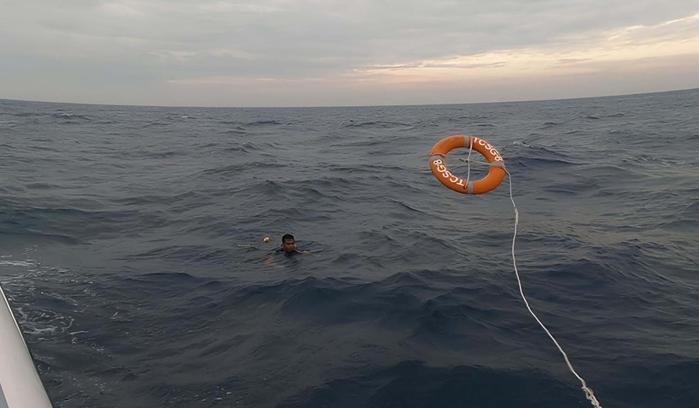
(439, 167)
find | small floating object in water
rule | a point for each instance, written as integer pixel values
(265, 239)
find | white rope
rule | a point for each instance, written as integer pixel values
(468, 160)
(589, 394)
(587, 390)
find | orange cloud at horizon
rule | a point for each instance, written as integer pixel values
(641, 45)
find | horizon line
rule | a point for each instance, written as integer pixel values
(352, 106)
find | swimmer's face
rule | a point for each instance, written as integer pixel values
(289, 245)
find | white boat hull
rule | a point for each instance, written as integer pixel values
(20, 385)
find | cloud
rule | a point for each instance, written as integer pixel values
(188, 43)
(122, 9)
(607, 49)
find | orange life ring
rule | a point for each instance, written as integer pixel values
(439, 167)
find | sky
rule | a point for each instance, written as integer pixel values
(349, 52)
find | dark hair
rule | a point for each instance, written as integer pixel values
(288, 236)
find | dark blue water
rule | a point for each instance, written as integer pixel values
(131, 249)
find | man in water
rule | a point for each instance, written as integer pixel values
(288, 246)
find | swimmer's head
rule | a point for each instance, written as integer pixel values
(288, 243)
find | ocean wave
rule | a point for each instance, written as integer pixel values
(70, 117)
(185, 253)
(528, 154)
(72, 225)
(263, 122)
(27, 114)
(238, 130)
(408, 382)
(374, 124)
